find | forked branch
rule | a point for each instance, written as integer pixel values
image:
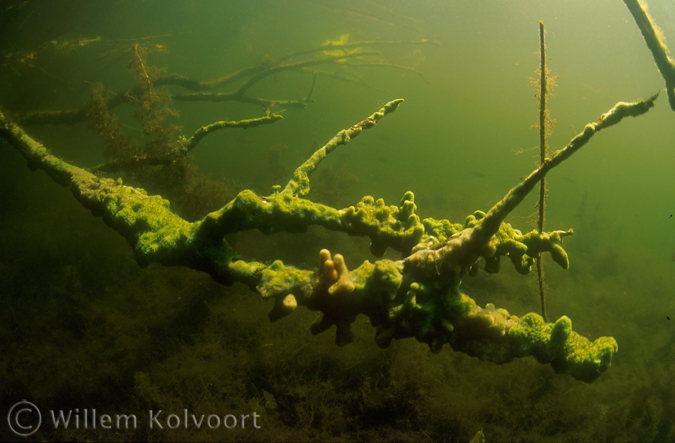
(417, 296)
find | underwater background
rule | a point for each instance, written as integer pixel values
(83, 326)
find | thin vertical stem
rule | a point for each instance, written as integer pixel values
(543, 153)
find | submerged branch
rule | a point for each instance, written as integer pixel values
(417, 296)
(299, 185)
(210, 85)
(498, 213)
(544, 122)
(185, 145)
(656, 44)
(190, 143)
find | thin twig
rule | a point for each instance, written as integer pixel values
(543, 153)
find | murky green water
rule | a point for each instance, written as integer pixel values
(82, 326)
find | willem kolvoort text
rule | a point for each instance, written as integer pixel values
(91, 419)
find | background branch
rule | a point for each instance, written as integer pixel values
(656, 44)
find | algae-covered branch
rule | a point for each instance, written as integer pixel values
(417, 296)
(416, 293)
